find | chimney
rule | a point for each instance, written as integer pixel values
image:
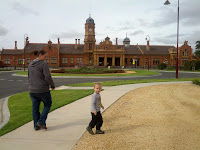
(75, 43)
(15, 44)
(116, 42)
(78, 41)
(58, 40)
(49, 44)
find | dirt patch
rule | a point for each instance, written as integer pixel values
(127, 72)
(155, 117)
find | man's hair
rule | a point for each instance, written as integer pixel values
(36, 53)
(97, 83)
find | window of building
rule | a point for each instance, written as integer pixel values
(28, 60)
(7, 60)
(47, 60)
(166, 61)
(185, 53)
(53, 60)
(131, 61)
(156, 61)
(79, 60)
(125, 61)
(72, 60)
(146, 61)
(20, 61)
(64, 60)
(184, 60)
(90, 46)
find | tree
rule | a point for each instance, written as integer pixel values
(197, 45)
(197, 51)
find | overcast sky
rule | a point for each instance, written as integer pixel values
(65, 19)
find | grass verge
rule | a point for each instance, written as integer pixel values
(20, 106)
(122, 82)
(138, 73)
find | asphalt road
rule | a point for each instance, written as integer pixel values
(10, 84)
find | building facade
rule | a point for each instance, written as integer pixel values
(98, 55)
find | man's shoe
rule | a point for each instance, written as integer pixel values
(89, 129)
(99, 132)
(37, 128)
(42, 126)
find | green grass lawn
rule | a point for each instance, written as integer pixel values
(138, 73)
(122, 82)
(20, 106)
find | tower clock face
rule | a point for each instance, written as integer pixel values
(90, 29)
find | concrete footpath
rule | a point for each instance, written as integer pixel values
(66, 124)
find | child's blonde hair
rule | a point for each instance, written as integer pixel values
(97, 83)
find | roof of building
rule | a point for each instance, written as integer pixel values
(126, 39)
(154, 49)
(90, 20)
(31, 47)
(70, 49)
(11, 51)
(64, 48)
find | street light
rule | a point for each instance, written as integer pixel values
(167, 3)
(147, 50)
(25, 36)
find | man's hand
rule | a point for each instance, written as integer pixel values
(52, 88)
(102, 107)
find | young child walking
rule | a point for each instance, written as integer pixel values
(96, 105)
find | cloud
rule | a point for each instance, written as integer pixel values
(109, 28)
(188, 14)
(3, 31)
(172, 39)
(68, 35)
(126, 25)
(23, 10)
(137, 32)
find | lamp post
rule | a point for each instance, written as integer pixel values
(25, 36)
(167, 3)
(147, 50)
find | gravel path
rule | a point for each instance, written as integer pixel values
(157, 117)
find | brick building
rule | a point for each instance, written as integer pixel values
(103, 54)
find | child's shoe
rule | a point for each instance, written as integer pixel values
(89, 129)
(99, 132)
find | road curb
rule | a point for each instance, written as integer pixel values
(5, 113)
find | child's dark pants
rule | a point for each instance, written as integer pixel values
(96, 120)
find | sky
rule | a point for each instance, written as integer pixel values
(44, 20)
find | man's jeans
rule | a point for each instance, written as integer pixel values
(36, 99)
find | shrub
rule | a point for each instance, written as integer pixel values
(58, 71)
(162, 66)
(194, 63)
(85, 70)
(197, 65)
(197, 82)
(170, 68)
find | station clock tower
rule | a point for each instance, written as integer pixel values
(89, 40)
